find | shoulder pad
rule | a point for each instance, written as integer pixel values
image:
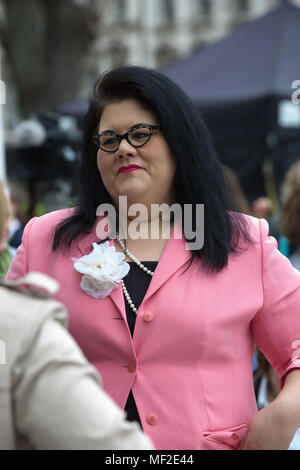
(36, 280)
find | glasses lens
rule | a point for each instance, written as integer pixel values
(139, 136)
(108, 142)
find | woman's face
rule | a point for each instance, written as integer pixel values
(153, 183)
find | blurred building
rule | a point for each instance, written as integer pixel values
(149, 33)
(155, 32)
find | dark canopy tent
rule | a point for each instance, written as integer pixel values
(238, 84)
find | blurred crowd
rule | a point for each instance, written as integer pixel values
(284, 226)
(12, 223)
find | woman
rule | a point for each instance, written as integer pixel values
(175, 352)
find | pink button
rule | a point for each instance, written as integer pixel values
(151, 418)
(148, 316)
(131, 367)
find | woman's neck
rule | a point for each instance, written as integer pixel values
(147, 241)
(155, 229)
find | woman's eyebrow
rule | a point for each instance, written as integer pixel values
(140, 124)
(131, 128)
(107, 130)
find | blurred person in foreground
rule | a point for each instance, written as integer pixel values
(170, 323)
(50, 396)
(267, 387)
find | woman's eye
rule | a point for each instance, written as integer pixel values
(140, 135)
(109, 141)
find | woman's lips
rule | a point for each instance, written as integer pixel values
(128, 169)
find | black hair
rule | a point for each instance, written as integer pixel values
(199, 177)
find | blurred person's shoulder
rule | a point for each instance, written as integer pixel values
(25, 310)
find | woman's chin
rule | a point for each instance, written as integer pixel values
(133, 194)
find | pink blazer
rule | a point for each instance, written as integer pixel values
(189, 363)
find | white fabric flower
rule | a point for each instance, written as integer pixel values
(102, 270)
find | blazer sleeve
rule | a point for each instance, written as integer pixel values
(19, 265)
(58, 399)
(276, 326)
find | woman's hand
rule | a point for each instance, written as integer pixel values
(270, 429)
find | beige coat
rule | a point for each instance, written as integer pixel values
(50, 396)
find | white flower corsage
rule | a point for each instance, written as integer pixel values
(102, 270)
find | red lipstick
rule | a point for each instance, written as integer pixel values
(129, 168)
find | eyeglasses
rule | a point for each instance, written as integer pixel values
(137, 136)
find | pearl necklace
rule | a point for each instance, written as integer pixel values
(140, 265)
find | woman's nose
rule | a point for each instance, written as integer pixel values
(125, 149)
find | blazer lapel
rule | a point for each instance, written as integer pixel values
(174, 256)
(84, 243)
(117, 297)
(85, 246)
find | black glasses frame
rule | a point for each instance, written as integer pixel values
(120, 137)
